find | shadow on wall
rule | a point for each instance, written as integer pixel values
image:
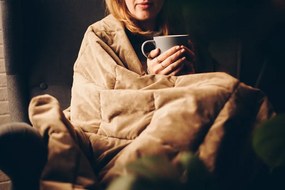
(241, 37)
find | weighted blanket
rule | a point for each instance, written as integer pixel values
(119, 113)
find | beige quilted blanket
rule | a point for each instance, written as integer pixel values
(118, 114)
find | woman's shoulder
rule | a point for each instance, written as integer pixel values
(108, 24)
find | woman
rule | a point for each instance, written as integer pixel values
(143, 19)
(124, 106)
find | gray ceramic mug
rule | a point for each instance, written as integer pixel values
(165, 42)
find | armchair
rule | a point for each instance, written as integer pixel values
(42, 39)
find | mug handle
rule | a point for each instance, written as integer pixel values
(143, 45)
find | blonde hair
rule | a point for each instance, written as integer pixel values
(119, 10)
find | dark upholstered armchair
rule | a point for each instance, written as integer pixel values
(244, 38)
(42, 39)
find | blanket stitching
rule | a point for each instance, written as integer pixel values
(153, 111)
(155, 108)
(213, 120)
(218, 113)
(227, 100)
(131, 140)
(101, 118)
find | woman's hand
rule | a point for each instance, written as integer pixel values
(177, 60)
(189, 63)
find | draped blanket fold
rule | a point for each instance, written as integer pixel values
(118, 113)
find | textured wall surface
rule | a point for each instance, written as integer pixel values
(4, 109)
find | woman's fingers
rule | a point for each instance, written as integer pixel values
(189, 63)
(173, 68)
(173, 58)
(171, 62)
(154, 53)
(156, 62)
(177, 71)
(189, 52)
(169, 53)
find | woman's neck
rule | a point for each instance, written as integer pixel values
(149, 25)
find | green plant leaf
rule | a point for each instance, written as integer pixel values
(125, 182)
(132, 182)
(154, 168)
(197, 176)
(269, 141)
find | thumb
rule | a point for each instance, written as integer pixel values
(154, 53)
